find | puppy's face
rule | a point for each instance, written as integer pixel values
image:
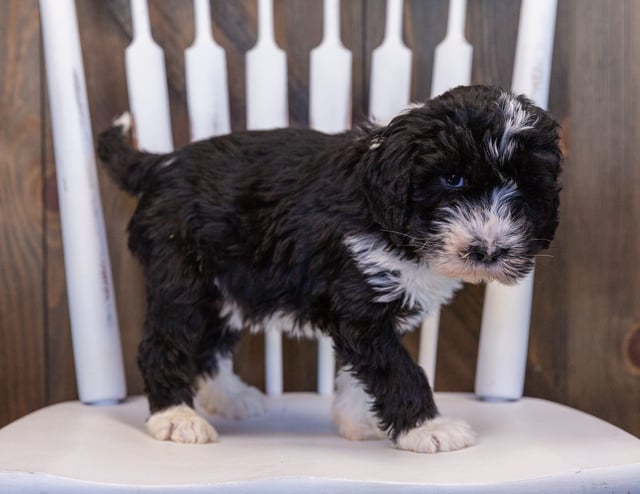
(469, 182)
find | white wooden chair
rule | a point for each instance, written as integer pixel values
(525, 445)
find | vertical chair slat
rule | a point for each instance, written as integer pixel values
(390, 69)
(454, 55)
(273, 361)
(446, 75)
(330, 77)
(504, 335)
(267, 108)
(428, 347)
(206, 79)
(330, 111)
(267, 103)
(147, 84)
(94, 322)
(326, 365)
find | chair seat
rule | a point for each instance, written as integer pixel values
(529, 446)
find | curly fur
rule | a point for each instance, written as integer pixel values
(464, 187)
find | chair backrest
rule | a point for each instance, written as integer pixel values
(504, 334)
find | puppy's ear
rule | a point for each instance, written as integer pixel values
(541, 171)
(385, 174)
(549, 218)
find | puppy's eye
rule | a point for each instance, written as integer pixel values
(453, 181)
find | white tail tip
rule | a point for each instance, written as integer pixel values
(123, 121)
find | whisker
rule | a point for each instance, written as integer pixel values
(424, 246)
(404, 235)
(540, 239)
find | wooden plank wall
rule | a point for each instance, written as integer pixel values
(585, 338)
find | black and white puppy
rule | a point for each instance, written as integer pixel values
(356, 235)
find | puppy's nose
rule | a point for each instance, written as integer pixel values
(486, 255)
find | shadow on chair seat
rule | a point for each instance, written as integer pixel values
(525, 446)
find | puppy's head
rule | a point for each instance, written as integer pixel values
(468, 182)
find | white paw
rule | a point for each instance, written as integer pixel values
(227, 395)
(181, 424)
(439, 434)
(241, 404)
(351, 410)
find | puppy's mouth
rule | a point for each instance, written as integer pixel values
(481, 262)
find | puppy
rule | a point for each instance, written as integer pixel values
(357, 236)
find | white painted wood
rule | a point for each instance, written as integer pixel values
(206, 79)
(390, 70)
(147, 85)
(273, 361)
(504, 333)
(267, 104)
(428, 349)
(92, 309)
(330, 77)
(534, 50)
(330, 112)
(326, 366)
(453, 57)
(504, 338)
(268, 108)
(529, 446)
(451, 67)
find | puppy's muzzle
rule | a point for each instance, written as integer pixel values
(483, 254)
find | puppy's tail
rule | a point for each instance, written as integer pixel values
(127, 167)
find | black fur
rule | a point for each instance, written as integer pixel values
(260, 218)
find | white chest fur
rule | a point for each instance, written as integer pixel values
(391, 276)
(396, 278)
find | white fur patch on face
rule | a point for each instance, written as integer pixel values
(488, 223)
(181, 424)
(227, 395)
(351, 410)
(278, 320)
(516, 120)
(396, 278)
(438, 434)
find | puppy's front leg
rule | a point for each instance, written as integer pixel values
(398, 393)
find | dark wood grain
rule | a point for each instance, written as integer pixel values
(547, 360)
(584, 346)
(600, 219)
(22, 321)
(423, 40)
(492, 28)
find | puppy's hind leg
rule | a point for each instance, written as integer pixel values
(169, 379)
(176, 320)
(220, 391)
(225, 394)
